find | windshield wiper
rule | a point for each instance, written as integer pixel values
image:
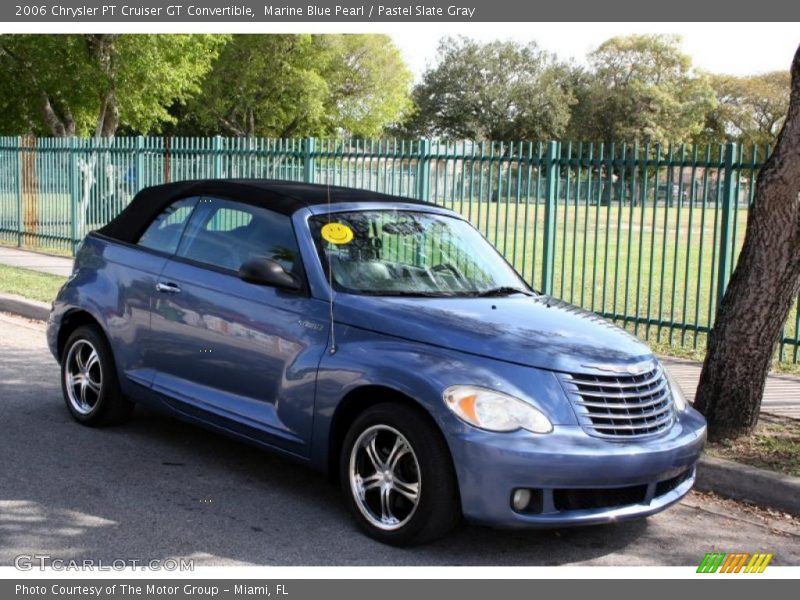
(498, 291)
(406, 293)
(504, 290)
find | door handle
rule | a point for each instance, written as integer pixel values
(169, 288)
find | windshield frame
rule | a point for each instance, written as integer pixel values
(351, 207)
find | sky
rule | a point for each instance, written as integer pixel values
(732, 48)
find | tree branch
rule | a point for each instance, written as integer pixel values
(51, 119)
(230, 124)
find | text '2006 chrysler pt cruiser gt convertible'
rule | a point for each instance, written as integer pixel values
(380, 339)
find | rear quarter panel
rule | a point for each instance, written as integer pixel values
(114, 282)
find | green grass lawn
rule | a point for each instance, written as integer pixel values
(30, 284)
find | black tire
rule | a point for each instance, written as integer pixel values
(438, 509)
(109, 406)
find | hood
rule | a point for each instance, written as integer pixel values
(537, 331)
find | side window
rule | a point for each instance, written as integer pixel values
(227, 234)
(165, 231)
(226, 219)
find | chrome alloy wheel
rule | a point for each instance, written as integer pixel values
(385, 477)
(83, 377)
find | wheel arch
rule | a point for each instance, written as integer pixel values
(72, 319)
(355, 402)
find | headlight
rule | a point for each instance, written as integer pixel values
(677, 394)
(494, 411)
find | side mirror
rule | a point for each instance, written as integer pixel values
(265, 271)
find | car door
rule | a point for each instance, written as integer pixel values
(137, 269)
(241, 355)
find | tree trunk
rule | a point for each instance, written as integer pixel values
(251, 123)
(103, 48)
(108, 119)
(68, 120)
(111, 122)
(761, 292)
(57, 126)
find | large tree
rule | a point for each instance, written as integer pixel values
(750, 109)
(295, 85)
(761, 292)
(498, 90)
(261, 85)
(84, 84)
(369, 85)
(640, 88)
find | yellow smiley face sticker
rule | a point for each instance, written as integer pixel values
(337, 233)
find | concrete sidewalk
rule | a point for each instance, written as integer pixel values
(781, 394)
(36, 261)
(781, 397)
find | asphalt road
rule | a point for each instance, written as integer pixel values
(156, 488)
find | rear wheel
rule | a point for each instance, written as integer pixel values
(89, 379)
(397, 476)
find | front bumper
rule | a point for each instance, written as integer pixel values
(617, 480)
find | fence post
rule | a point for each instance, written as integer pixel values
(20, 194)
(74, 192)
(216, 147)
(424, 170)
(728, 214)
(309, 159)
(139, 162)
(548, 252)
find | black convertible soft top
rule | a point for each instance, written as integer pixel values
(281, 196)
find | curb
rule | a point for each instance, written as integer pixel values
(743, 482)
(24, 307)
(723, 477)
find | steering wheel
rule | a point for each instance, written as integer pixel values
(458, 276)
(448, 267)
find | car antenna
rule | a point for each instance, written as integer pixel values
(330, 275)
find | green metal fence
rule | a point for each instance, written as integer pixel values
(645, 235)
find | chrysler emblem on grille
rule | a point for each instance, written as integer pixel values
(636, 369)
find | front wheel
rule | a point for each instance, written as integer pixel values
(397, 476)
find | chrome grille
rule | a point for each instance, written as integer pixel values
(621, 406)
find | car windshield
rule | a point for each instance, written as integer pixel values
(408, 253)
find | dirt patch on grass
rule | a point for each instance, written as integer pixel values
(775, 445)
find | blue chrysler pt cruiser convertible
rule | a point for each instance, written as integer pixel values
(380, 339)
